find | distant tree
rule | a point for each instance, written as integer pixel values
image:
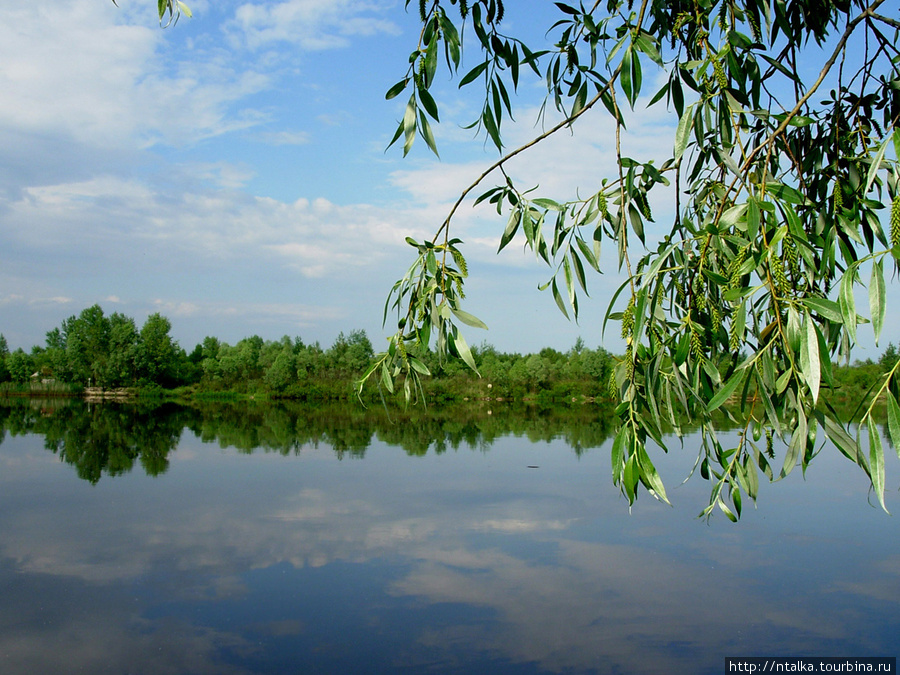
(352, 353)
(157, 353)
(121, 367)
(20, 366)
(86, 339)
(282, 372)
(889, 358)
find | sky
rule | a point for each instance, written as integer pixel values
(230, 172)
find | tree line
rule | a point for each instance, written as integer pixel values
(93, 349)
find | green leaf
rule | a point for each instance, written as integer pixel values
(468, 319)
(826, 308)
(876, 298)
(875, 165)
(617, 455)
(395, 91)
(418, 366)
(650, 475)
(796, 445)
(893, 415)
(425, 129)
(683, 132)
(726, 390)
(473, 74)
(409, 125)
(386, 378)
(558, 298)
(847, 302)
(876, 462)
(428, 103)
(809, 358)
(462, 349)
(512, 225)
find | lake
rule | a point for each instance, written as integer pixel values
(234, 538)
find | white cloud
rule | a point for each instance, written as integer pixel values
(284, 138)
(310, 24)
(72, 69)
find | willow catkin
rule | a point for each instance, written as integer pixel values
(601, 204)
(781, 280)
(791, 254)
(719, 70)
(754, 27)
(697, 344)
(838, 197)
(628, 319)
(895, 221)
(734, 336)
(734, 276)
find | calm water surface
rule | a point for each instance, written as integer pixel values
(217, 541)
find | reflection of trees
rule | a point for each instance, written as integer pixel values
(110, 438)
(100, 439)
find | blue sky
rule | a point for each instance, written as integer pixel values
(230, 173)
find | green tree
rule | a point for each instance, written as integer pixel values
(86, 344)
(889, 358)
(157, 353)
(779, 181)
(121, 369)
(20, 366)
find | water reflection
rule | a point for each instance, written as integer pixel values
(259, 550)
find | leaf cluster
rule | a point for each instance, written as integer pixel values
(746, 290)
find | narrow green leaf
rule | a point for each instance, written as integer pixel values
(617, 455)
(462, 349)
(875, 165)
(876, 298)
(625, 74)
(683, 132)
(876, 462)
(825, 308)
(386, 378)
(809, 358)
(428, 103)
(796, 444)
(473, 74)
(469, 319)
(558, 298)
(842, 440)
(726, 390)
(650, 475)
(512, 225)
(418, 366)
(549, 204)
(409, 125)
(425, 129)
(588, 253)
(570, 284)
(724, 508)
(579, 270)
(395, 91)
(847, 302)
